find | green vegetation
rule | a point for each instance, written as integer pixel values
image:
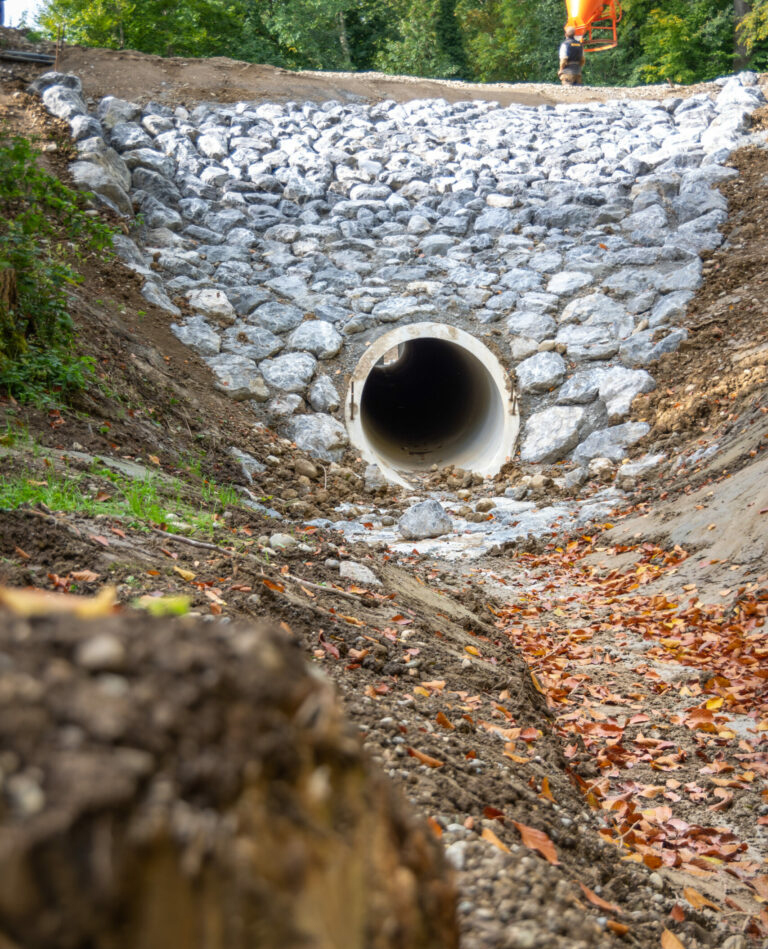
(43, 228)
(138, 502)
(486, 40)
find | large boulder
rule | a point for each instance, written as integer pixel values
(610, 442)
(321, 436)
(238, 377)
(112, 111)
(198, 335)
(105, 187)
(425, 519)
(551, 433)
(290, 373)
(317, 337)
(190, 784)
(63, 102)
(540, 372)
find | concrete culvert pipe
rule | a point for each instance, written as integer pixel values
(430, 394)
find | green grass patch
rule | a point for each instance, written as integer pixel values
(44, 232)
(139, 503)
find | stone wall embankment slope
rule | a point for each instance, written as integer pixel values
(284, 238)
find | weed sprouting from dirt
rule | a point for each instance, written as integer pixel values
(139, 502)
(43, 228)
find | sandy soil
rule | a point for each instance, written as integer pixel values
(140, 77)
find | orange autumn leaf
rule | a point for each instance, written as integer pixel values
(545, 791)
(761, 886)
(277, 587)
(697, 900)
(537, 840)
(670, 941)
(619, 928)
(437, 686)
(598, 900)
(425, 759)
(442, 719)
(436, 829)
(472, 650)
(489, 835)
(677, 913)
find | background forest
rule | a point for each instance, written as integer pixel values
(682, 41)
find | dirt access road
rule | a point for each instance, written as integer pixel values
(180, 80)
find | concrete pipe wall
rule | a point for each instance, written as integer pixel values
(431, 394)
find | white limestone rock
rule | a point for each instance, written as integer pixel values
(238, 377)
(198, 335)
(540, 372)
(213, 304)
(318, 337)
(321, 436)
(551, 433)
(290, 373)
(425, 519)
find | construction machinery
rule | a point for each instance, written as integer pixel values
(595, 22)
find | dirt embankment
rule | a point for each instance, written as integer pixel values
(172, 80)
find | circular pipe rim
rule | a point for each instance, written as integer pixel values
(450, 334)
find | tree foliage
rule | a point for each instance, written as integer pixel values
(483, 40)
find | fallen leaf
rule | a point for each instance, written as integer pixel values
(619, 928)
(761, 886)
(425, 759)
(21, 553)
(154, 459)
(163, 605)
(271, 585)
(35, 602)
(677, 913)
(442, 719)
(697, 900)
(537, 840)
(598, 900)
(436, 829)
(670, 941)
(472, 650)
(546, 793)
(493, 813)
(489, 835)
(84, 576)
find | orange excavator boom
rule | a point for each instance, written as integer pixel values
(595, 22)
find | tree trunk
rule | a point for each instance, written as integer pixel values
(740, 55)
(343, 39)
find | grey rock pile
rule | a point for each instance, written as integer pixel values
(299, 232)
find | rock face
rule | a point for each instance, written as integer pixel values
(319, 435)
(327, 224)
(425, 519)
(242, 800)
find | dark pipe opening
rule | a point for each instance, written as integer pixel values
(431, 404)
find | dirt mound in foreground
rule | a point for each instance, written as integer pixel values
(167, 779)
